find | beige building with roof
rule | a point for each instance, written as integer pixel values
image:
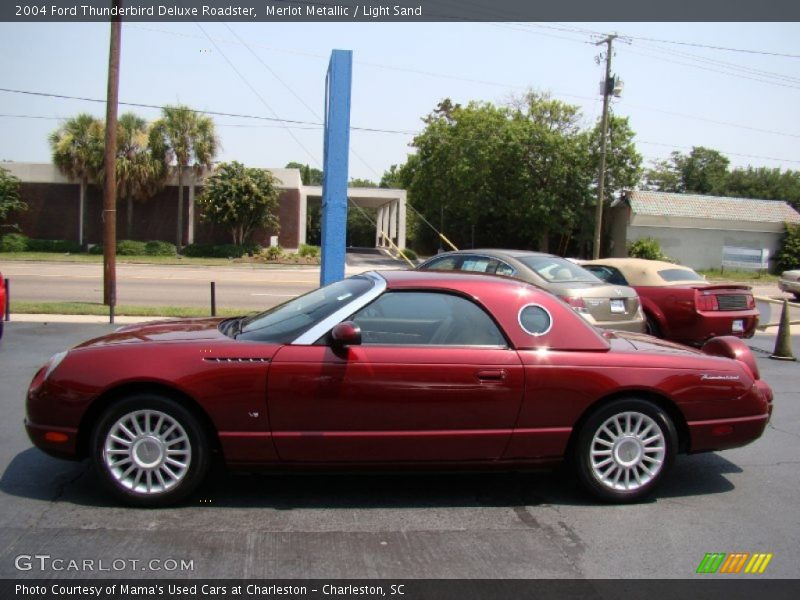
(693, 229)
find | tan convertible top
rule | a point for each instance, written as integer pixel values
(641, 272)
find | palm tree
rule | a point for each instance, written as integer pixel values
(189, 138)
(141, 170)
(77, 148)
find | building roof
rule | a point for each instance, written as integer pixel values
(695, 206)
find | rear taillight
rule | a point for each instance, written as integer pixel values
(575, 302)
(705, 301)
(751, 302)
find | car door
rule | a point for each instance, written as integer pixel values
(432, 380)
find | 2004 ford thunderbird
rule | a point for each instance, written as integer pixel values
(394, 369)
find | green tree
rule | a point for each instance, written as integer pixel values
(10, 200)
(515, 176)
(392, 178)
(789, 254)
(241, 199)
(188, 138)
(361, 183)
(77, 148)
(702, 171)
(309, 175)
(141, 170)
(765, 184)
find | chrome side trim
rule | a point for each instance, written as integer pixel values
(324, 326)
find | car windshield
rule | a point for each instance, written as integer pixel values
(558, 270)
(672, 275)
(283, 323)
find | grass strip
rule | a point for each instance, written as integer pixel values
(95, 308)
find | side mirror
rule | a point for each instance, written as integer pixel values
(346, 334)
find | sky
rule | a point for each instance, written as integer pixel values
(677, 92)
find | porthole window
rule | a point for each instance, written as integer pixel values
(535, 319)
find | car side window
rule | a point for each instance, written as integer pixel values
(426, 319)
(447, 263)
(504, 269)
(611, 275)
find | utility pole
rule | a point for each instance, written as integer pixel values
(598, 216)
(110, 192)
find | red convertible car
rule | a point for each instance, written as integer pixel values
(678, 303)
(403, 369)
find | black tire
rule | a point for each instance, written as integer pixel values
(795, 294)
(184, 444)
(637, 462)
(651, 326)
(1, 327)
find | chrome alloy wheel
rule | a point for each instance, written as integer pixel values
(147, 452)
(627, 451)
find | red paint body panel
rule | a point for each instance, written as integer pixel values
(674, 309)
(310, 405)
(393, 403)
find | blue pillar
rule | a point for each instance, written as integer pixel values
(336, 153)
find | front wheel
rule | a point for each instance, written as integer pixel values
(624, 449)
(150, 451)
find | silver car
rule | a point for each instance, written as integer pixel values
(602, 304)
(790, 282)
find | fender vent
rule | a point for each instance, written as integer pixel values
(216, 359)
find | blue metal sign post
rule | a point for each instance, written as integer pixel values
(336, 153)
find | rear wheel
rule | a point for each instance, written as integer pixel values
(796, 297)
(624, 449)
(652, 327)
(149, 450)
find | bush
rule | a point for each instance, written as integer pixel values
(646, 248)
(220, 251)
(62, 246)
(13, 242)
(273, 252)
(158, 248)
(308, 251)
(789, 254)
(96, 249)
(410, 254)
(130, 248)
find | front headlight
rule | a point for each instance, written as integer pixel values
(54, 361)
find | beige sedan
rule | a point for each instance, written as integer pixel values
(790, 282)
(601, 304)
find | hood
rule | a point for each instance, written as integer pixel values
(183, 330)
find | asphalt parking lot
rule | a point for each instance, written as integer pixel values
(514, 525)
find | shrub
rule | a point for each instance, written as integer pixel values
(61, 246)
(13, 242)
(308, 251)
(130, 248)
(96, 249)
(646, 248)
(789, 254)
(273, 252)
(220, 251)
(159, 248)
(410, 254)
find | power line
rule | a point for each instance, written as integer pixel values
(524, 28)
(205, 112)
(255, 91)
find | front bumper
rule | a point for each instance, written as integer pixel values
(61, 442)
